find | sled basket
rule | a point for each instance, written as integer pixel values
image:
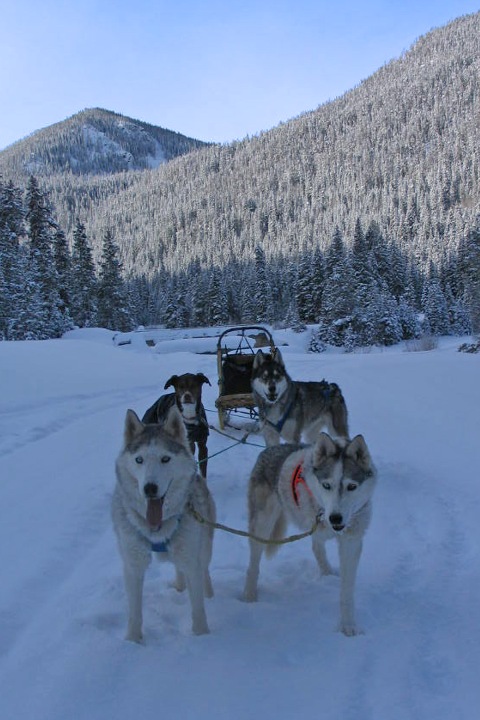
(236, 350)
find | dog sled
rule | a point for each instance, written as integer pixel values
(236, 348)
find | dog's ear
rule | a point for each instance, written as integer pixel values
(171, 382)
(133, 427)
(259, 359)
(175, 427)
(203, 379)
(277, 356)
(357, 450)
(324, 448)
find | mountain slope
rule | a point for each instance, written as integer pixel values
(401, 149)
(92, 142)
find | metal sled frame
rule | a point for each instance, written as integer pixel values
(235, 355)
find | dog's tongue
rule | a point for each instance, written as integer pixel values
(154, 512)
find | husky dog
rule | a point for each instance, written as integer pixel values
(188, 397)
(288, 408)
(157, 483)
(330, 483)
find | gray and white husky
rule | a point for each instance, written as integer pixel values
(289, 408)
(331, 483)
(157, 482)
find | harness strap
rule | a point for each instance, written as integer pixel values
(298, 479)
(279, 425)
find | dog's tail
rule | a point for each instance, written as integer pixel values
(339, 411)
(278, 532)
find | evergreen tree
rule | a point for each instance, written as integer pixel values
(408, 315)
(84, 282)
(318, 283)
(40, 228)
(469, 264)
(388, 319)
(11, 228)
(63, 268)
(303, 289)
(262, 301)
(435, 306)
(364, 290)
(218, 299)
(113, 311)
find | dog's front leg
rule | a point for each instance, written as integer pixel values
(134, 576)
(318, 547)
(350, 549)
(250, 593)
(195, 581)
(202, 458)
(270, 435)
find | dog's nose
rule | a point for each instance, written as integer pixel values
(150, 490)
(336, 520)
(187, 398)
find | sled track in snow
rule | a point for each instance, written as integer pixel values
(19, 428)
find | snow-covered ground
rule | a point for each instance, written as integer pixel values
(62, 602)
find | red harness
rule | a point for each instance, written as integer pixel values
(298, 479)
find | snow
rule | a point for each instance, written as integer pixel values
(62, 602)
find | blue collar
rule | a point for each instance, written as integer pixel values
(160, 547)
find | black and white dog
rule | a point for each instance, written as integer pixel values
(188, 398)
(290, 408)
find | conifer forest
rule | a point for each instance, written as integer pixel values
(361, 217)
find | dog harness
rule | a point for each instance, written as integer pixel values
(278, 426)
(298, 479)
(326, 391)
(162, 545)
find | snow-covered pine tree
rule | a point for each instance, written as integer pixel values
(41, 227)
(338, 302)
(113, 310)
(11, 228)
(262, 295)
(64, 270)
(364, 289)
(84, 282)
(408, 314)
(469, 264)
(434, 305)
(218, 298)
(303, 288)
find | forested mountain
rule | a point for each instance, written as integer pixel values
(362, 215)
(93, 142)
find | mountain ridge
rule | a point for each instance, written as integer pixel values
(94, 141)
(399, 149)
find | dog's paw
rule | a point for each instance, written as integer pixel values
(350, 630)
(136, 637)
(250, 596)
(325, 571)
(200, 629)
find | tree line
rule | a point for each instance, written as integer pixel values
(360, 291)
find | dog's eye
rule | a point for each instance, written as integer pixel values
(139, 459)
(351, 487)
(327, 486)
(165, 459)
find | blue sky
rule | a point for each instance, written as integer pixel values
(217, 70)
